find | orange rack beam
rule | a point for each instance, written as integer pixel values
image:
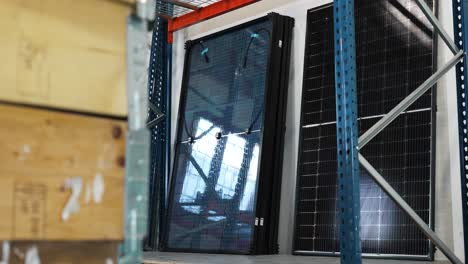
(204, 13)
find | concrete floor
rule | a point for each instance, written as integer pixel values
(185, 258)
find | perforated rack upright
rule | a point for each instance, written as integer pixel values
(159, 122)
(460, 18)
(347, 132)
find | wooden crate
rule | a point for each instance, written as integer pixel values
(40, 150)
(67, 53)
(66, 252)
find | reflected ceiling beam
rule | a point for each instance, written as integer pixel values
(418, 22)
(210, 105)
(202, 175)
(197, 230)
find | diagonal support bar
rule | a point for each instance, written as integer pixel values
(408, 101)
(160, 116)
(437, 26)
(156, 121)
(154, 108)
(408, 210)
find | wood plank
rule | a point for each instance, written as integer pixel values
(66, 252)
(68, 54)
(40, 150)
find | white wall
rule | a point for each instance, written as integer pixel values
(447, 161)
(448, 185)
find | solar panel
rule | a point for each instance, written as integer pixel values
(232, 92)
(394, 45)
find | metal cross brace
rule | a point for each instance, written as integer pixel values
(394, 113)
(160, 116)
(437, 26)
(408, 101)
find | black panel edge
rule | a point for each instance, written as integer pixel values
(272, 143)
(179, 126)
(434, 110)
(267, 142)
(273, 223)
(282, 126)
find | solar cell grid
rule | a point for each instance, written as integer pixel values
(394, 56)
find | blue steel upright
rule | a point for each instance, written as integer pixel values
(347, 131)
(460, 20)
(159, 96)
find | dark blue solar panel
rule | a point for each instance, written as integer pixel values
(212, 206)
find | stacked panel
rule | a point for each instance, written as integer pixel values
(394, 56)
(233, 100)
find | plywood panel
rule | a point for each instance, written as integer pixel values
(66, 252)
(68, 54)
(42, 149)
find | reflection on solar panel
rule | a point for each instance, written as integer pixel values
(394, 56)
(233, 90)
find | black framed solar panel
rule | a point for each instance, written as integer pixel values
(230, 131)
(394, 44)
